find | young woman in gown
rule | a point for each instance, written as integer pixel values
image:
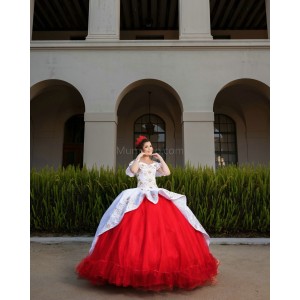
(149, 238)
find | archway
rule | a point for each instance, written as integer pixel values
(165, 103)
(247, 103)
(53, 102)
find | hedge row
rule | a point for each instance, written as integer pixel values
(228, 201)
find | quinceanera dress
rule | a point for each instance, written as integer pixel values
(149, 239)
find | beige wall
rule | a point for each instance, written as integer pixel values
(192, 75)
(197, 74)
(198, 132)
(100, 140)
(104, 73)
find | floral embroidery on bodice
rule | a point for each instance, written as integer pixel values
(146, 176)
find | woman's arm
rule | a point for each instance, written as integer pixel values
(135, 166)
(164, 169)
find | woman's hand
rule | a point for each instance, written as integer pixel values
(138, 158)
(157, 156)
(164, 169)
(135, 166)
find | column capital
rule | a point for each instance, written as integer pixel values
(100, 117)
(201, 116)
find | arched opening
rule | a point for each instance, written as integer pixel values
(247, 103)
(53, 102)
(166, 115)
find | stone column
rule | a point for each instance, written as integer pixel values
(267, 2)
(104, 20)
(198, 138)
(194, 20)
(100, 140)
(31, 16)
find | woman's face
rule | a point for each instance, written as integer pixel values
(147, 148)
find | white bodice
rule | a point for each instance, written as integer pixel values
(146, 175)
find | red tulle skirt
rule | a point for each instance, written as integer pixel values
(153, 248)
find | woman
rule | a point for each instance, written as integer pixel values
(149, 238)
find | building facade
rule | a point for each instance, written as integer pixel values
(193, 75)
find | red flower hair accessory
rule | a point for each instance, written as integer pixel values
(140, 139)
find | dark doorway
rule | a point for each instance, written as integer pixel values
(73, 141)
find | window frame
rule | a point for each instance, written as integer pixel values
(155, 144)
(225, 151)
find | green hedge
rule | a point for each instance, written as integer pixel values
(229, 201)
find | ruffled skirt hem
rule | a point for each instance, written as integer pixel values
(105, 272)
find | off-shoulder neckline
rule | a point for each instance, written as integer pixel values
(146, 163)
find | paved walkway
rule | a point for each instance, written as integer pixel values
(244, 272)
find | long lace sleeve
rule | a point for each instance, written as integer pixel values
(128, 171)
(158, 169)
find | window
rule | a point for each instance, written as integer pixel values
(154, 128)
(225, 141)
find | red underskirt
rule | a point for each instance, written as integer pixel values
(153, 248)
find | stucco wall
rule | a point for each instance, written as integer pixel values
(100, 75)
(197, 72)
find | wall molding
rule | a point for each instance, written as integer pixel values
(150, 45)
